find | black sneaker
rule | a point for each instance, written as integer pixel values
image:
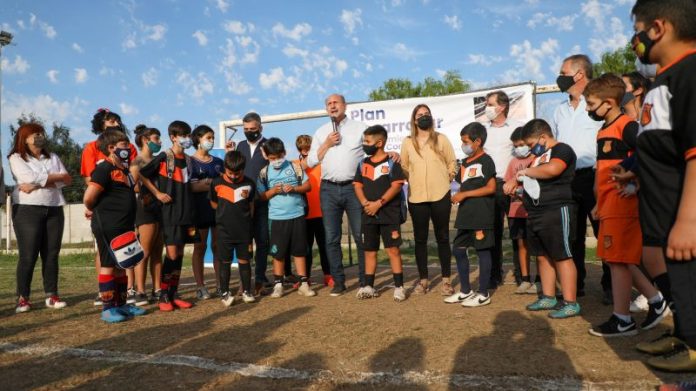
(141, 299)
(130, 298)
(615, 327)
(656, 312)
(155, 296)
(338, 290)
(98, 300)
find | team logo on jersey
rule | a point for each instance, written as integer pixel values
(545, 158)
(384, 169)
(646, 114)
(245, 193)
(471, 172)
(607, 146)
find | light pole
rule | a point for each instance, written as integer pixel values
(5, 39)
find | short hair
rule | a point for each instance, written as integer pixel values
(637, 81)
(235, 161)
(198, 132)
(516, 134)
(110, 137)
(273, 146)
(607, 86)
(377, 130)
(475, 131)
(303, 142)
(179, 128)
(143, 132)
(343, 98)
(502, 99)
(103, 115)
(680, 13)
(251, 116)
(535, 129)
(581, 62)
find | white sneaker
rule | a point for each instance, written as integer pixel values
(277, 291)
(640, 304)
(359, 293)
(367, 292)
(458, 297)
(399, 294)
(305, 290)
(248, 297)
(476, 300)
(55, 302)
(227, 299)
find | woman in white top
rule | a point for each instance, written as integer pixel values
(37, 212)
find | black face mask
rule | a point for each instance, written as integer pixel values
(252, 136)
(641, 46)
(628, 98)
(596, 117)
(565, 82)
(425, 122)
(369, 149)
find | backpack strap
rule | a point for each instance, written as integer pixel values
(263, 176)
(170, 171)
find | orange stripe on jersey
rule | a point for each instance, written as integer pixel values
(368, 172)
(675, 62)
(225, 192)
(690, 154)
(560, 161)
(95, 184)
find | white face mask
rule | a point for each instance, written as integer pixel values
(467, 149)
(649, 71)
(531, 186)
(521, 152)
(206, 145)
(278, 163)
(491, 113)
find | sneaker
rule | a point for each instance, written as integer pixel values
(656, 312)
(524, 287)
(131, 310)
(477, 300)
(247, 297)
(202, 293)
(543, 304)
(181, 304)
(458, 297)
(640, 304)
(367, 292)
(55, 302)
(681, 359)
(113, 315)
(420, 287)
(218, 291)
(328, 280)
(98, 300)
(165, 304)
(305, 290)
(130, 296)
(227, 299)
(567, 310)
(155, 296)
(615, 327)
(534, 289)
(399, 294)
(23, 305)
(277, 291)
(446, 287)
(660, 345)
(141, 299)
(338, 290)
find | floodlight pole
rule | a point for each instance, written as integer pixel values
(5, 39)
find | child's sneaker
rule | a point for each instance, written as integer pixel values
(277, 291)
(640, 304)
(305, 290)
(247, 297)
(131, 310)
(663, 344)
(543, 304)
(227, 299)
(399, 294)
(535, 289)
(141, 299)
(182, 304)
(165, 304)
(476, 300)
(23, 305)
(615, 327)
(567, 310)
(458, 297)
(523, 288)
(55, 302)
(328, 280)
(113, 315)
(681, 359)
(367, 292)
(155, 296)
(130, 298)
(656, 312)
(98, 301)
(202, 293)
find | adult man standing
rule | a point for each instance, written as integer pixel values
(572, 125)
(499, 147)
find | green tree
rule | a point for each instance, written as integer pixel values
(70, 152)
(401, 88)
(619, 61)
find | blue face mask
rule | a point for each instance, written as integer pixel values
(538, 149)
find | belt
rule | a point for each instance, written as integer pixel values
(337, 183)
(584, 170)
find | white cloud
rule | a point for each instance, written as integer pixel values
(440, 73)
(563, 23)
(253, 101)
(402, 52)
(251, 50)
(105, 71)
(596, 12)
(482, 59)
(292, 51)
(529, 60)
(195, 86)
(48, 30)
(21, 25)
(32, 19)
(81, 75)
(355, 41)
(351, 20)
(300, 30)
(222, 5)
(454, 22)
(237, 27)
(129, 42)
(142, 33)
(614, 39)
(127, 109)
(43, 106)
(229, 54)
(277, 78)
(52, 76)
(150, 77)
(77, 48)
(18, 66)
(236, 83)
(201, 37)
(156, 32)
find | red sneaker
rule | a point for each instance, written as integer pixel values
(328, 280)
(164, 304)
(23, 305)
(182, 304)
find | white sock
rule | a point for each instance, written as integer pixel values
(625, 318)
(655, 299)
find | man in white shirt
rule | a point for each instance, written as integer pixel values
(572, 125)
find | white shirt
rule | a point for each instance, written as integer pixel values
(499, 146)
(252, 146)
(36, 171)
(575, 128)
(342, 160)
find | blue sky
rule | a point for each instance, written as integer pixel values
(209, 60)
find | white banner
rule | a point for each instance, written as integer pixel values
(450, 113)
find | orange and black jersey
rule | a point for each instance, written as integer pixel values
(115, 208)
(556, 191)
(613, 146)
(376, 178)
(478, 212)
(91, 156)
(233, 213)
(181, 211)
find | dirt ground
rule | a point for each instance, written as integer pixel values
(319, 343)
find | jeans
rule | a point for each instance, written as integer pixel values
(315, 229)
(336, 199)
(421, 214)
(261, 238)
(39, 231)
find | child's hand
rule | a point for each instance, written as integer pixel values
(287, 188)
(372, 208)
(629, 190)
(88, 214)
(620, 175)
(510, 187)
(593, 213)
(458, 198)
(681, 245)
(163, 197)
(277, 189)
(520, 174)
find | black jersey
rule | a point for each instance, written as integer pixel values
(556, 191)
(181, 211)
(115, 208)
(234, 200)
(477, 212)
(376, 178)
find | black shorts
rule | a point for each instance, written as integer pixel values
(550, 233)
(180, 234)
(518, 228)
(106, 258)
(149, 215)
(390, 233)
(226, 249)
(288, 237)
(479, 239)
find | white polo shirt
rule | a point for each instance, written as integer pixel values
(341, 161)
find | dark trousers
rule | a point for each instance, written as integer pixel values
(39, 231)
(502, 204)
(682, 279)
(439, 213)
(261, 238)
(315, 230)
(583, 193)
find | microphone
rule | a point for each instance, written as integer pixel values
(334, 122)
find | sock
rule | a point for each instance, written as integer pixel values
(625, 318)
(462, 268)
(370, 280)
(107, 291)
(245, 276)
(526, 279)
(304, 279)
(166, 275)
(398, 279)
(176, 273)
(662, 282)
(225, 277)
(655, 299)
(485, 266)
(121, 290)
(277, 279)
